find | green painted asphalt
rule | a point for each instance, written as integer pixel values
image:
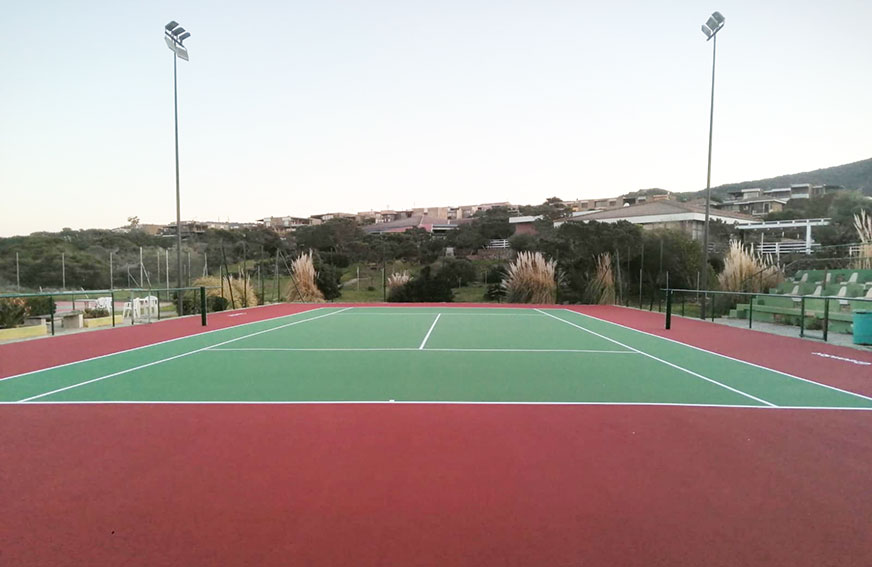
(468, 354)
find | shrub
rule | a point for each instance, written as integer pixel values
(601, 288)
(495, 292)
(398, 279)
(327, 280)
(530, 279)
(458, 271)
(42, 305)
(423, 287)
(13, 311)
(303, 286)
(524, 242)
(191, 302)
(746, 271)
(336, 259)
(863, 225)
(95, 313)
(236, 292)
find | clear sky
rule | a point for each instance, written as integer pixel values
(296, 108)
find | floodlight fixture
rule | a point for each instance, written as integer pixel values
(170, 26)
(713, 25)
(177, 31)
(184, 36)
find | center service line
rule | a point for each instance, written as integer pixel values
(424, 342)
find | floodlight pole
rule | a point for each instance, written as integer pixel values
(174, 35)
(708, 184)
(178, 199)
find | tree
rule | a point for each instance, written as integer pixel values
(458, 271)
(423, 288)
(327, 281)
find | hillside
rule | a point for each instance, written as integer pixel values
(857, 175)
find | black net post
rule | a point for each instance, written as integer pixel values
(802, 317)
(203, 305)
(826, 318)
(751, 312)
(668, 309)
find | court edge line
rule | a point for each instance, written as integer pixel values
(414, 349)
(429, 402)
(667, 363)
(427, 336)
(728, 357)
(141, 366)
(99, 356)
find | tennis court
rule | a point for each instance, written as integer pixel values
(438, 435)
(373, 354)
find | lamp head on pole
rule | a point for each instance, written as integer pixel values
(174, 35)
(713, 25)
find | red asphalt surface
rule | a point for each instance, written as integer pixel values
(397, 484)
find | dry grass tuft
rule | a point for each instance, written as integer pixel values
(243, 290)
(863, 224)
(303, 287)
(530, 279)
(601, 289)
(398, 279)
(745, 270)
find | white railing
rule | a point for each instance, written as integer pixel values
(784, 247)
(498, 244)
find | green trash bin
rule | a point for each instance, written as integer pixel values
(863, 327)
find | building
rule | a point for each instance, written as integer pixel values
(387, 215)
(287, 223)
(434, 225)
(687, 217)
(760, 202)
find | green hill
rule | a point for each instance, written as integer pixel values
(857, 175)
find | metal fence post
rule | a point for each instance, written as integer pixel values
(714, 303)
(51, 313)
(112, 299)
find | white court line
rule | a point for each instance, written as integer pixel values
(431, 402)
(141, 366)
(667, 363)
(459, 310)
(427, 336)
(163, 342)
(413, 349)
(724, 356)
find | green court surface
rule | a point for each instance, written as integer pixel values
(406, 354)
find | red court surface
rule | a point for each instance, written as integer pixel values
(439, 484)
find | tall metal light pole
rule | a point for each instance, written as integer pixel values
(711, 28)
(174, 35)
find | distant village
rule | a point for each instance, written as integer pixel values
(652, 210)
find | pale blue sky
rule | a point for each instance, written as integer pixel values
(299, 108)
